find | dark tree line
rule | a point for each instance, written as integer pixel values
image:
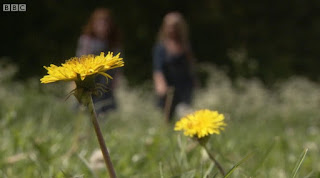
(274, 39)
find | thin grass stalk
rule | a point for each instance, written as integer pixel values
(237, 165)
(299, 163)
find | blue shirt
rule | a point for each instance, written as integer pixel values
(175, 68)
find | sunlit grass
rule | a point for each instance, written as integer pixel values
(44, 136)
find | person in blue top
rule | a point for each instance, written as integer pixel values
(101, 34)
(173, 65)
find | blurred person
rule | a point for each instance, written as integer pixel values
(101, 34)
(172, 66)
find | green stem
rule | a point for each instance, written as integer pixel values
(214, 160)
(102, 144)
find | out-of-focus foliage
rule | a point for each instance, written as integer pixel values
(278, 38)
(42, 135)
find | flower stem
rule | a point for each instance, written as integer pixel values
(102, 144)
(214, 160)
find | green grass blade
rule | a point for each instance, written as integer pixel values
(264, 157)
(298, 165)
(309, 175)
(206, 174)
(237, 165)
(161, 170)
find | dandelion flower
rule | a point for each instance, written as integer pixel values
(83, 71)
(80, 68)
(201, 123)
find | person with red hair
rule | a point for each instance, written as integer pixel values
(100, 34)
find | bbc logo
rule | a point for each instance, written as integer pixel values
(14, 7)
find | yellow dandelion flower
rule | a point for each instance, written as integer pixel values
(79, 68)
(201, 123)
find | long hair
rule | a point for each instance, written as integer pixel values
(182, 34)
(181, 26)
(113, 34)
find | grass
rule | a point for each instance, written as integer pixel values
(42, 135)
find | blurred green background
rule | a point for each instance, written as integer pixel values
(42, 135)
(275, 39)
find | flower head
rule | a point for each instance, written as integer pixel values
(201, 123)
(80, 68)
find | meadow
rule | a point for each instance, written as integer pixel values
(43, 135)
